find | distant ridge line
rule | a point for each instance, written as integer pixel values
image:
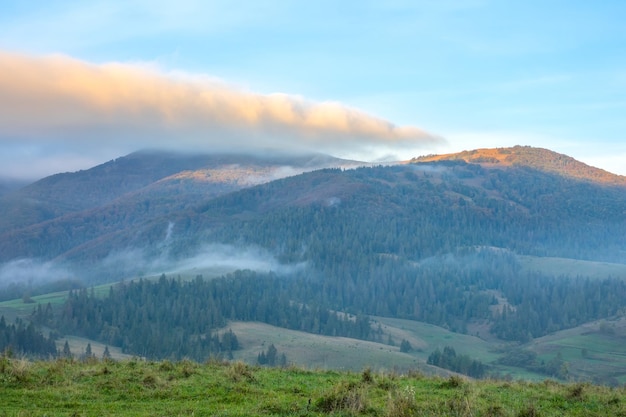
(538, 158)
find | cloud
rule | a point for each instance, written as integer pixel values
(231, 258)
(31, 271)
(213, 259)
(57, 101)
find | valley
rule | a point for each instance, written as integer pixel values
(593, 351)
(493, 253)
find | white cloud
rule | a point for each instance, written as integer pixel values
(56, 101)
(214, 258)
(31, 271)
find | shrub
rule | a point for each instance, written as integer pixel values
(166, 366)
(19, 369)
(188, 367)
(529, 411)
(495, 411)
(367, 376)
(238, 371)
(576, 392)
(454, 381)
(343, 397)
(402, 403)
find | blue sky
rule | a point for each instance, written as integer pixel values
(411, 77)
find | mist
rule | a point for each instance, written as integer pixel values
(32, 272)
(211, 259)
(232, 258)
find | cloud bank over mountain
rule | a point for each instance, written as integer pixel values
(56, 102)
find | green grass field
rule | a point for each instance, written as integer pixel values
(594, 351)
(573, 267)
(139, 388)
(319, 352)
(427, 337)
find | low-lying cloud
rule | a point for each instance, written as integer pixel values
(213, 258)
(31, 272)
(79, 105)
(232, 258)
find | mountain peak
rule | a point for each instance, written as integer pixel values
(537, 158)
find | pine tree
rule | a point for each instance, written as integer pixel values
(405, 346)
(67, 353)
(271, 354)
(88, 352)
(106, 354)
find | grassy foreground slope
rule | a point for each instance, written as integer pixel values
(137, 388)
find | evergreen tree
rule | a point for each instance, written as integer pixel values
(88, 352)
(405, 346)
(106, 354)
(67, 353)
(271, 355)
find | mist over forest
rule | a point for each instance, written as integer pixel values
(501, 246)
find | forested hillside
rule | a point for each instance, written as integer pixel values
(65, 193)
(415, 212)
(442, 242)
(63, 212)
(174, 319)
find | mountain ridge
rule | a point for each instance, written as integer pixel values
(465, 246)
(188, 206)
(538, 158)
(65, 193)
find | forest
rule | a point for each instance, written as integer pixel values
(171, 318)
(23, 338)
(174, 319)
(448, 359)
(438, 243)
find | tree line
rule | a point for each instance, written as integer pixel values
(171, 318)
(463, 364)
(24, 338)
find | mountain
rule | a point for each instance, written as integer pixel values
(450, 201)
(507, 251)
(416, 210)
(63, 194)
(538, 158)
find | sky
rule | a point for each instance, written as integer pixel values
(83, 82)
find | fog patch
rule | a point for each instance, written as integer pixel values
(32, 272)
(126, 263)
(216, 258)
(274, 174)
(168, 232)
(229, 257)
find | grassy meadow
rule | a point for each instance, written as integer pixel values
(593, 352)
(140, 388)
(572, 267)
